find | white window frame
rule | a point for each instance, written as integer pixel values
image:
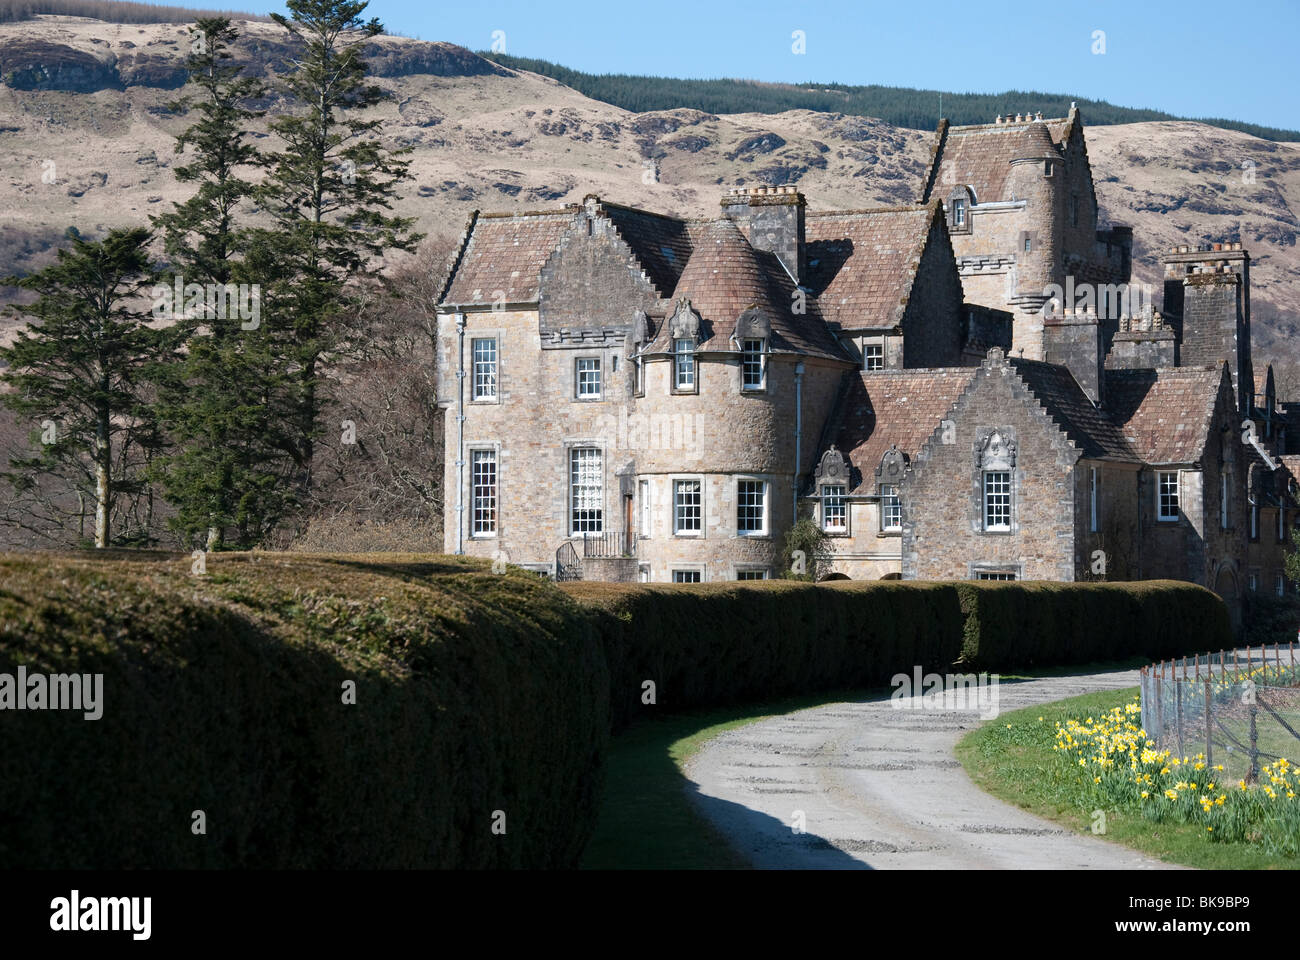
(680, 530)
(484, 374)
(764, 489)
(829, 499)
(694, 572)
(1002, 575)
(587, 525)
(745, 574)
(492, 493)
(868, 355)
(684, 372)
(579, 382)
(644, 508)
(747, 363)
(1161, 477)
(986, 503)
(886, 510)
(958, 212)
(1252, 582)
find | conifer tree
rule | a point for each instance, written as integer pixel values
(329, 192)
(77, 369)
(221, 389)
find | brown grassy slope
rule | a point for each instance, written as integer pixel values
(503, 140)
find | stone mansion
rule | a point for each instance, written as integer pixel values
(968, 387)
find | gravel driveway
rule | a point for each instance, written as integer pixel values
(881, 788)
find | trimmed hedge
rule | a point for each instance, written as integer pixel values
(1039, 623)
(726, 643)
(475, 693)
(717, 644)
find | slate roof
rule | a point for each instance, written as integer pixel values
(980, 155)
(506, 253)
(1164, 414)
(1093, 431)
(885, 408)
(861, 264)
(662, 244)
(725, 276)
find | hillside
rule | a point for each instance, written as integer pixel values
(84, 105)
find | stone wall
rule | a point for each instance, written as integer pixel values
(943, 535)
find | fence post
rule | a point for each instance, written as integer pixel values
(1254, 741)
(1209, 746)
(1160, 710)
(1178, 714)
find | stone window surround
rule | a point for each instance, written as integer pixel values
(766, 532)
(885, 531)
(695, 369)
(567, 467)
(739, 568)
(967, 197)
(847, 530)
(700, 568)
(644, 508)
(987, 460)
(600, 370)
(880, 340)
(470, 449)
(1160, 516)
(499, 336)
(765, 353)
(673, 480)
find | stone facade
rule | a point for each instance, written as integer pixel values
(631, 395)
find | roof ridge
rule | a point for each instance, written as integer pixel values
(568, 209)
(908, 208)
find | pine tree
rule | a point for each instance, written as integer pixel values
(221, 389)
(77, 369)
(328, 193)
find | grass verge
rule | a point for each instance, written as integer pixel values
(1011, 758)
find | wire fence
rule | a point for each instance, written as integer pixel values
(1239, 709)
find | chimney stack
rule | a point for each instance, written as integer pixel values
(772, 219)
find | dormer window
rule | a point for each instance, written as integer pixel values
(873, 356)
(753, 364)
(684, 365)
(959, 203)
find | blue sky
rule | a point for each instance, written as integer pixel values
(1192, 58)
